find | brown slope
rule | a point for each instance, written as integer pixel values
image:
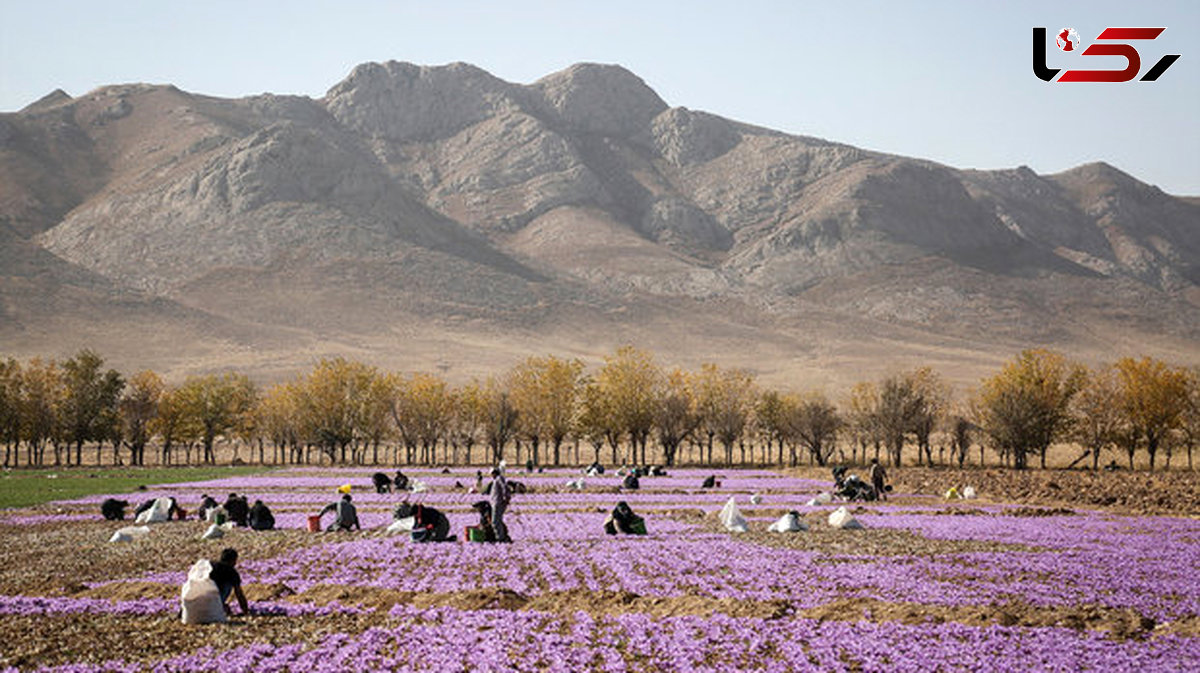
(452, 207)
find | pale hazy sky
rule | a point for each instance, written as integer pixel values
(945, 80)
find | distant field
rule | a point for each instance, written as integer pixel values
(23, 488)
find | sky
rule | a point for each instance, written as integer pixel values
(947, 80)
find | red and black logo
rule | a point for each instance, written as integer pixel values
(1068, 41)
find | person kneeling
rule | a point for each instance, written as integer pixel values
(260, 517)
(429, 524)
(347, 514)
(228, 580)
(623, 520)
(485, 531)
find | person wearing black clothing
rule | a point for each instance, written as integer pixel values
(113, 509)
(261, 517)
(623, 520)
(485, 520)
(237, 508)
(430, 525)
(631, 481)
(709, 482)
(381, 482)
(401, 481)
(228, 580)
(144, 506)
(206, 503)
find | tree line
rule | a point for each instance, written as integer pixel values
(553, 411)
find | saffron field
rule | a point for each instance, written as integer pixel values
(927, 585)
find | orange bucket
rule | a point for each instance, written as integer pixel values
(314, 523)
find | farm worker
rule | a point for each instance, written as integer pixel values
(623, 520)
(429, 524)
(500, 495)
(485, 520)
(238, 509)
(113, 509)
(878, 479)
(261, 517)
(347, 514)
(206, 503)
(228, 580)
(401, 481)
(381, 482)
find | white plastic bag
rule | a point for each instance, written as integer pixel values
(213, 513)
(129, 534)
(755, 499)
(214, 532)
(404, 525)
(788, 523)
(968, 492)
(417, 486)
(576, 484)
(159, 512)
(821, 499)
(200, 598)
(731, 517)
(841, 518)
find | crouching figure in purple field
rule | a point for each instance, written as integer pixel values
(347, 514)
(228, 580)
(623, 520)
(429, 524)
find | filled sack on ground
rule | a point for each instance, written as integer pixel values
(129, 534)
(788, 523)
(200, 599)
(160, 511)
(820, 499)
(731, 517)
(841, 518)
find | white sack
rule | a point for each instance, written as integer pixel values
(129, 534)
(821, 499)
(404, 525)
(732, 519)
(200, 598)
(841, 518)
(159, 512)
(214, 532)
(755, 499)
(969, 492)
(788, 523)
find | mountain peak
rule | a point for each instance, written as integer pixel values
(52, 99)
(404, 101)
(601, 98)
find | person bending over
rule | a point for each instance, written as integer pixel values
(228, 580)
(347, 514)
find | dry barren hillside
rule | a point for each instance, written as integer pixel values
(440, 218)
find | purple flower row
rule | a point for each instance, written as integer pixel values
(497, 640)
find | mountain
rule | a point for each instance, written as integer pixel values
(442, 218)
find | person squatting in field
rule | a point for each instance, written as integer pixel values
(429, 524)
(347, 514)
(228, 580)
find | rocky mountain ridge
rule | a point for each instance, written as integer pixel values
(467, 214)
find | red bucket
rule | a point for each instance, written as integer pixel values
(314, 523)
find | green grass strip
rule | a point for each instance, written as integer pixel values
(23, 488)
